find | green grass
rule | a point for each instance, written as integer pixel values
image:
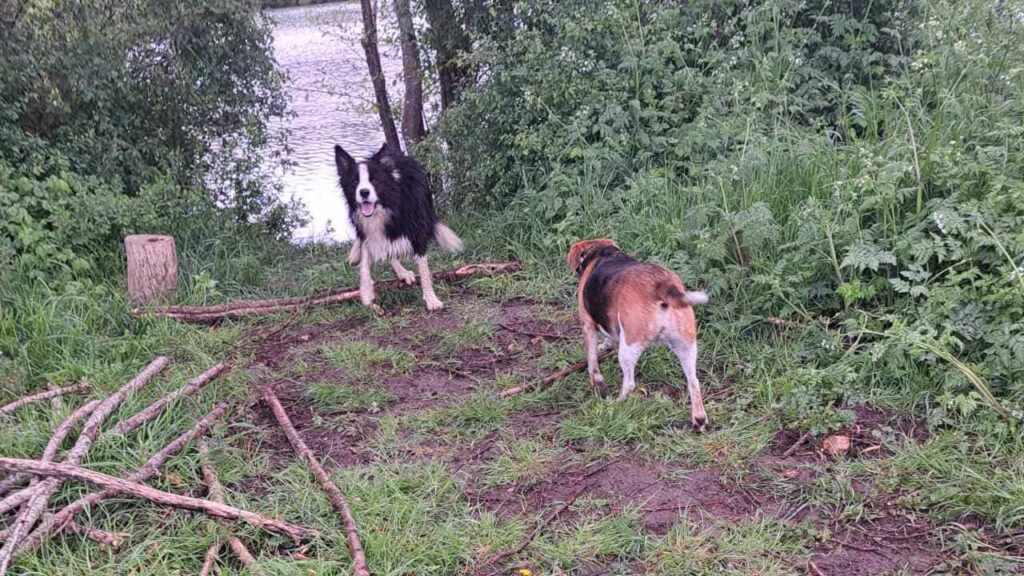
(522, 462)
(334, 397)
(475, 335)
(632, 421)
(360, 359)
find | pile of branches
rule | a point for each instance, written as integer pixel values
(29, 485)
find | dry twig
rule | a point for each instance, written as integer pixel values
(551, 378)
(210, 561)
(216, 493)
(796, 445)
(154, 409)
(355, 546)
(40, 396)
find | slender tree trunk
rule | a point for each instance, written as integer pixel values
(380, 88)
(449, 40)
(413, 129)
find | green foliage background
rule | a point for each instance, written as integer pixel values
(854, 166)
(124, 116)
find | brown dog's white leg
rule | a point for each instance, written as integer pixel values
(404, 274)
(628, 356)
(427, 284)
(593, 366)
(687, 354)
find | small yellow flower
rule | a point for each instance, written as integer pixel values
(525, 572)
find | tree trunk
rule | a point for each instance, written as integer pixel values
(413, 129)
(449, 40)
(152, 266)
(380, 88)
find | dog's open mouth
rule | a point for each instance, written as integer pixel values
(367, 208)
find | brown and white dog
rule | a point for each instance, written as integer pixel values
(636, 304)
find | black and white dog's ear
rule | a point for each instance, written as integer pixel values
(344, 162)
(385, 157)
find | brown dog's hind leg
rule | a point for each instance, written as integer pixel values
(687, 354)
(593, 366)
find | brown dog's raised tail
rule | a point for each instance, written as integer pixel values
(678, 299)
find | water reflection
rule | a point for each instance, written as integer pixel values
(331, 99)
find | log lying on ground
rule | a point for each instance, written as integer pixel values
(216, 493)
(243, 308)
(551, 378)
(154, 409)
(58, 521)
(40, 396)
(42, 493)
(124, 487)
(49, 454)
(112, 539)
(355, 546)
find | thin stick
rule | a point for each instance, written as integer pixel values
(154, 409)
(111, 539)
(796, 445)
(143, 492)
(546, 335)
(49, 453)
(35, 507)
(211, 559)
(216, 493)
(551, 378)
(533, 534)
(40, 396)
(243, 308)
(355, 546)
(58, 521)
(813, 569)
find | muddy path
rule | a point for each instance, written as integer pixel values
(422, 387)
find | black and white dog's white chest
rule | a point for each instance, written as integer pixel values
(375, 237)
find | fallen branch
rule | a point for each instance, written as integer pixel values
(61, 519)
(210, 560)
(355, 546)
(49, 454)
(124, 487)
(533, 534)
(545, 335)
(796, 445)
(56, 402)
(551, 378)
(40, 396)
(111, 539)
(42, 493)
(154, 409)
(216, 493)
(243, 308)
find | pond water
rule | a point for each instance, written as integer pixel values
(331, 103)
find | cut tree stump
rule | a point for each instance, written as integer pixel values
(152, 266)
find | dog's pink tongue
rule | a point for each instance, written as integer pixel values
(366, 208)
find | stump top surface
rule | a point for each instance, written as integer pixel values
(148, 238)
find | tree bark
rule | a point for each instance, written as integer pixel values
(243, 308)
(380, 87)
(61, 519)
(152, 266)
(40, 494)
(413, 128)
(63, 472)
(450, 42)
(215, 492)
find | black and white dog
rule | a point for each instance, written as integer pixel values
(392, 209)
